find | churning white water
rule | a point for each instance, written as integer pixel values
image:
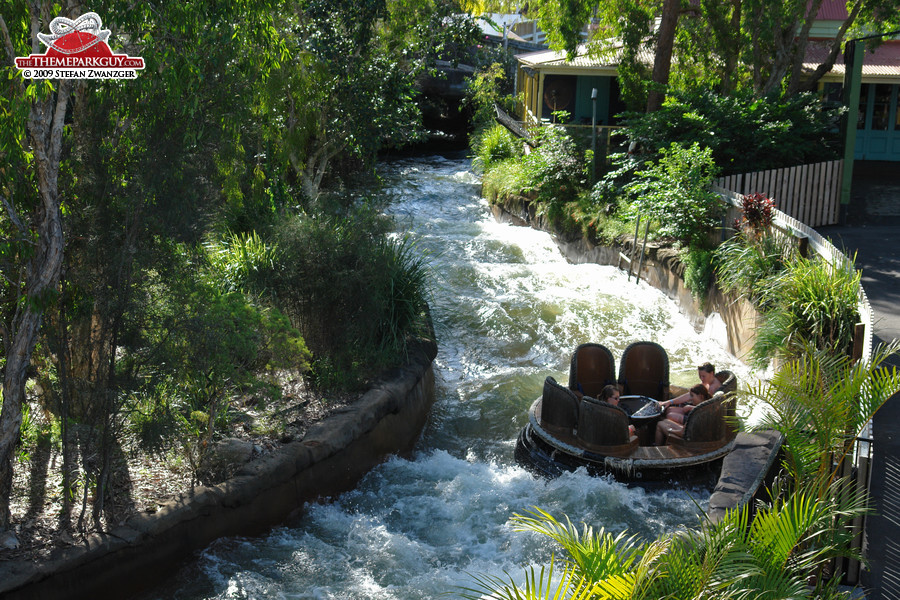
(508, 311)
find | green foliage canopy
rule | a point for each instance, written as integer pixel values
(744, 133)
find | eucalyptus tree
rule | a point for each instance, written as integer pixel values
(32, 120)
(123, 167)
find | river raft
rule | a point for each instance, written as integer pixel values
(569, 428)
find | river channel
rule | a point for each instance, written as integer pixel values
(508, 311)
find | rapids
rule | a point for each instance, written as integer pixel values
(508, 311)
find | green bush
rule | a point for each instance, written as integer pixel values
(675, 193)
(745, 133)
(810, 302)
(555, 169)
(698, 271)
(493, 145)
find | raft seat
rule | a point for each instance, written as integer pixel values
(705, 424)
(644, 371)
(603, 428)
(591, 369)
(559, 407)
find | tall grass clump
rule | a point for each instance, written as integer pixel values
(492, 146)
(355, 294)
(401, 294)
(240, 262)
(744, 264)
(811, 301)
(504, 179)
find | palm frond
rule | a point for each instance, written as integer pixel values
(539, 585)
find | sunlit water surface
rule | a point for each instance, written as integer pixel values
(508, 311)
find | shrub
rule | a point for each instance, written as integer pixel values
(240, 262)
(555, 169)
(745, 133)
(493, 145)
(757, 213)
(675, 192)
(812, 303)
(698, 271)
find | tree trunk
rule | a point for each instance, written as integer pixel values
(662, 62)
(732, 51)
(45, 132)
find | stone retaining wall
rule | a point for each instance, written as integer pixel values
(330, 459)
(746, 468)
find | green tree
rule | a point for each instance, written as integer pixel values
(744, 133)
(338, 95)
(761, 44)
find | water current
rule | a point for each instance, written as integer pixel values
(508, 311)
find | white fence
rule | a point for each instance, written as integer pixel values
(793, 227)
(809, 193)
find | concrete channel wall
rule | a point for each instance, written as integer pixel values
(746, 468)
(330, 459)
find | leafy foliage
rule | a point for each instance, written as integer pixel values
(698, 271)
(809, 302)
(675, 192)
(744, 133)
(756, 46)
(353, 293)
(821, 401)
(494, 145)
(555, 169)
(488, 87)
(772, 557)
(172, 188)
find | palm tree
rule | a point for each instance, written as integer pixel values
(770, 558)
(821, 402)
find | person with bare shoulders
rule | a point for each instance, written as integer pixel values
(676, 408)
(670, 425)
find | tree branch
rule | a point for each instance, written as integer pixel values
(827, 65)
(7, 41)
(12, 215)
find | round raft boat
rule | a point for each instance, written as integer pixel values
(569, 428)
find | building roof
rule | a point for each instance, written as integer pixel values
(556, 60)
(832, 10)
(882, 64)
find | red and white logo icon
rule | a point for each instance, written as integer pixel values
(78, 50)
